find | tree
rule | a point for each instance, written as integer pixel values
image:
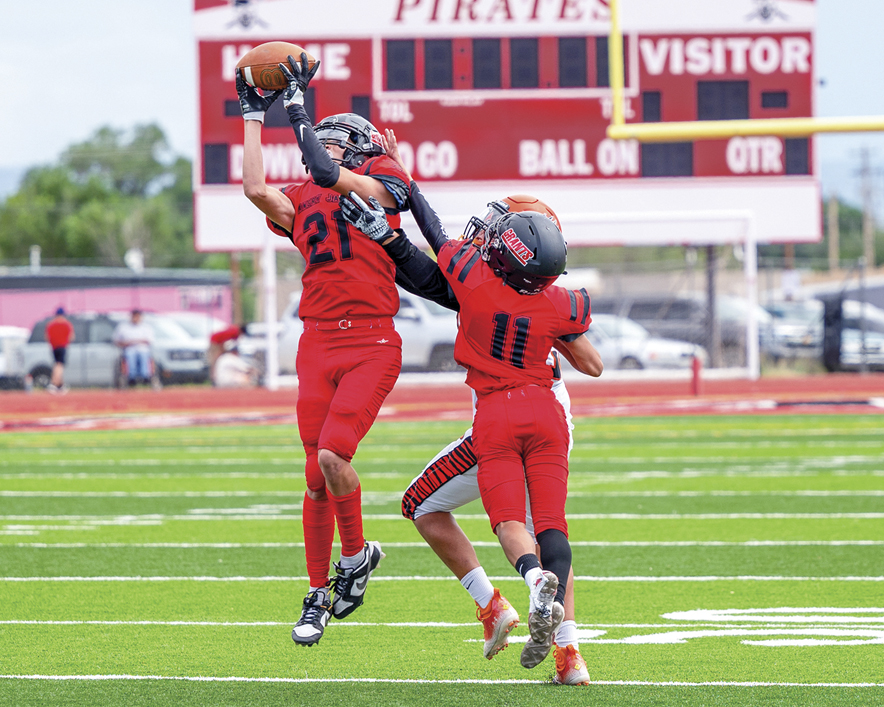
(106, 195)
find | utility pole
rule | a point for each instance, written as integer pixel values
(868, 214)
(834, 233)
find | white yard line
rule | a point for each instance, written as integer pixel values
(476, 543)
(419, 578)
(625, 683)
(273, 512)
(416, 624)
(396, 495)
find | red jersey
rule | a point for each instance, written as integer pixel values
(347, 274)
(59, 332)
(504, 338)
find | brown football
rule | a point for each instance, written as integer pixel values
(260, 66)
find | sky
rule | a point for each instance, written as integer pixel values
(69, 68)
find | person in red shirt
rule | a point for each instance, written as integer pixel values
(59, 333)
(349, 355)
(510, 316)
(217, 343)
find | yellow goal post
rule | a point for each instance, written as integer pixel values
(619, 129)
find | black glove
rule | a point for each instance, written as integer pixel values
(252, 103)
(298, 76)
(371, 220)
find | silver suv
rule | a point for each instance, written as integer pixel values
(94, 360)
(428, 332)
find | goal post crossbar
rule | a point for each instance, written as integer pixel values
(619, 129)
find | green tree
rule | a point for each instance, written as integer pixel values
(113, 192)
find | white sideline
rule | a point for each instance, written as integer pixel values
(507, 578)
(475, 543)
(250, 515)
(625, 683)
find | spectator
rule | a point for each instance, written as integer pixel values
(135, 338)
(217, 345)
(231, 371)
(59, 333)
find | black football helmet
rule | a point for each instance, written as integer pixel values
(526, 249)
(359, 139)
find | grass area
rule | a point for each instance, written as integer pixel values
(720, 561)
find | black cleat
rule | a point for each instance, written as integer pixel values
(314, 617)
(350, 583)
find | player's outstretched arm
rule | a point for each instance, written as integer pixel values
(582, 355)
(427, 219)
(415, 270)
(270, 201)
(326, 173)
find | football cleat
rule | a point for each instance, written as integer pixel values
(570, 667)
(314, 617)
(350, 583)
(544, 619)
(498, 619)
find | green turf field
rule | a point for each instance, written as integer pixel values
(719, 561)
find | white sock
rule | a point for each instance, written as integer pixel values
(354, 561)
(476, 582)
(313, 589)
(532, 576)
(567, 635)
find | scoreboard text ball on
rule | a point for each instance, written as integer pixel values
(490, 97)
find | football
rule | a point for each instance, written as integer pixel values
(260, 66)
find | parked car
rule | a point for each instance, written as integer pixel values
(859, 315)
(12, 341)
(796, 328)
(683, 317)
(625, 344)
(855, 355)
(94, 360)
(428, 332)
(200, 326)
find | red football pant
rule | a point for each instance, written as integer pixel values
(343, 379)
(521, 435)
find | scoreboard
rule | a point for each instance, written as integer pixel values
(492, 97)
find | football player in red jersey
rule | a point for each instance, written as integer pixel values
(510, 317)
(449, 481)
(349, 355)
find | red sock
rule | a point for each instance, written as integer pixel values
(348, 512)
(319, 531)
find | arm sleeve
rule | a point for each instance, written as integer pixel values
(418, 273)
(325, 172)
(427, 220)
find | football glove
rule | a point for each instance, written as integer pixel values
(298, 75)
(252, 103)
(371, 220)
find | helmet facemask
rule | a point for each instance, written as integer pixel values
(358, 138)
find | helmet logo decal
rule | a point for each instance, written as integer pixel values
(375, 137)
(514, 244)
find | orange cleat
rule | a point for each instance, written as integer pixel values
(498, 618)
(570, 667)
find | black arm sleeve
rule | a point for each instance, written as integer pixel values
(427, 219)
(418, 273)
(325, 172)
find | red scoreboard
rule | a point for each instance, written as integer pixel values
(489, 97)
